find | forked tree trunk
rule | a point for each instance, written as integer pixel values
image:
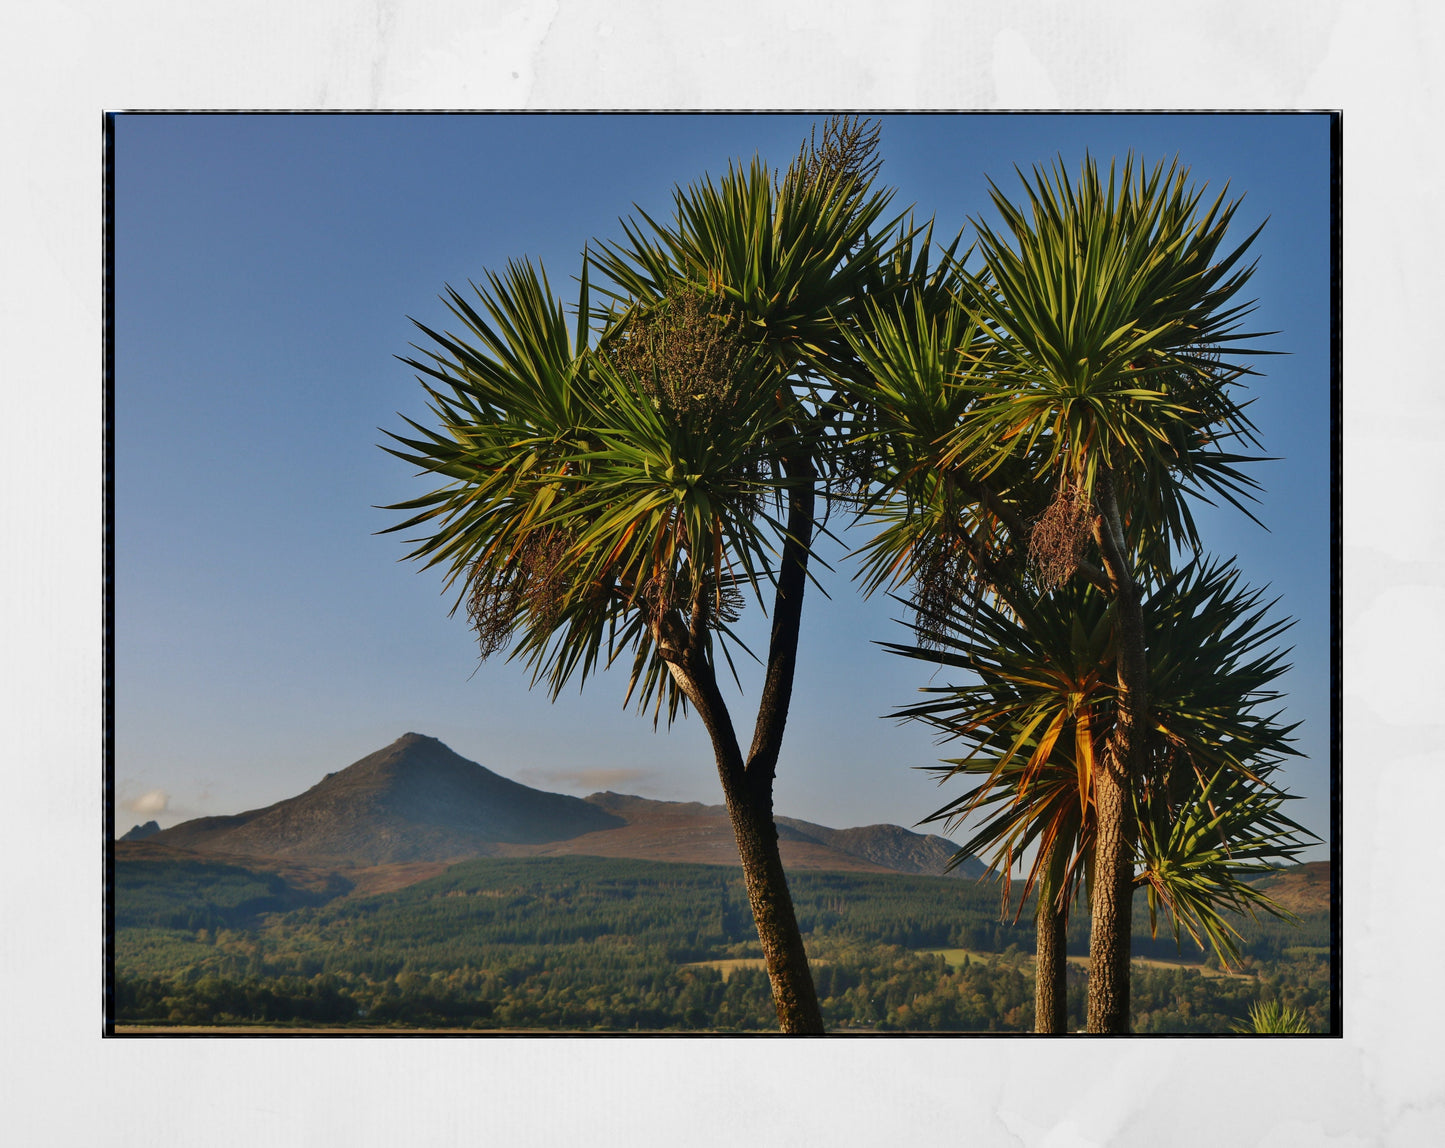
(1111, 906)
(749, 798)
(748, 785)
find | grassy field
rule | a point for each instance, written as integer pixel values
(954, 957)
(728, 965)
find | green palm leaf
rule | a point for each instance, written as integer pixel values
(1112, 307)
(1039, 713)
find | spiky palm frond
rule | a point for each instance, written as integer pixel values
(579, 515)
(612, 485)
(916, 364)
(509, 398)
(1273, 1016)
(1038, 718)
(1195, 856)
(1113, 304)
(1035, 722)
(1212, 669)
(793, 258)
(937, 527)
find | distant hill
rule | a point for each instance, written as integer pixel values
(141, 832)
(415, 800)
(1300, 888)
(416, 804)
(692, 832)
(890, 847)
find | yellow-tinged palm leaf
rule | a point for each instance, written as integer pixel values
(1084, 756)
(1052, 664)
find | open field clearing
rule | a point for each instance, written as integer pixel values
(728, 965)
(954, 957)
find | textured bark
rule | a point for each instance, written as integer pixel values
(794, 996)
(1113, 889)
(748, 785)
(787, 620)
(1051, 1002)
(1110, 907)
(749, 799)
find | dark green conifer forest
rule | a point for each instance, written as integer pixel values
(602, 945)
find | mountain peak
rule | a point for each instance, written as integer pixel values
(417, 800)
(141, 832)
(414, 800)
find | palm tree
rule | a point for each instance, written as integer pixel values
(1039, 718)
(1089, 402)
(625, 487)
(1032, 723)
(1273, 1016)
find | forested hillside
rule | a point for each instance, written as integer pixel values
(612, 945)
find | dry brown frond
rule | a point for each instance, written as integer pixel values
(492, 610)
(534, 580)
(1058, 537)
(944, 581)
(849, 148)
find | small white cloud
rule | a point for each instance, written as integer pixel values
(148, 804)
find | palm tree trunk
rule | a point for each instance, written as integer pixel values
(748, 785)
(1051, 1001)
(794, 997)
(1111, 907)
(794, 994)
(749, 798)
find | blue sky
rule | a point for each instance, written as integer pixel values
(265, 269)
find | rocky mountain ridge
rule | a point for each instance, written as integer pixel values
(418, 803)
